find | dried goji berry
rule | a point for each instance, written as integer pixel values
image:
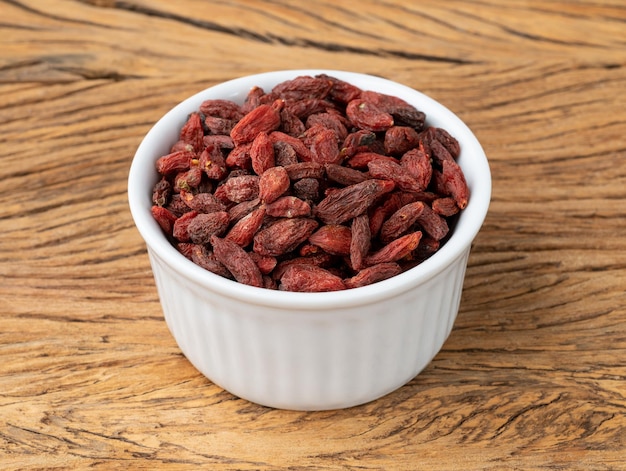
(243, 230)
(417, 164)
(283, 236)
(366, 115)
(303, 87)
(164, 218)
(202, 227)
(350, 201)
(332, 238)
(205, 258)
(192, 133)
(220, 108)
(390, 170)
(360, 242)
(175, 162)
(455, 183)
(181, 224)
(288, 207)
(161, 192)
(241, 188)
(212, 162)
(273, 183)
(261, 153)
(237, 261)
(373, 274)
(400, 139)
(344, 175)
(264, 118)
(401, 221)
(310, 279)
(395, 250)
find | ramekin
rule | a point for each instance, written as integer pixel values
(310, 351)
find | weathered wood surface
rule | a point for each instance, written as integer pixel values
(534, 373)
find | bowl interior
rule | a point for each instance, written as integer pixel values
(164, 133)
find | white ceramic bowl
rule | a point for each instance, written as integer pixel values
(309, 351)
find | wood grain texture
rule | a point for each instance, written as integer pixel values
(533, 375)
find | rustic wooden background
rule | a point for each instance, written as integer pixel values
(534, 373)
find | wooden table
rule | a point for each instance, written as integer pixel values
(533, 375)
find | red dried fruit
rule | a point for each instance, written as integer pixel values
(212, 162)
(239, 156)
(439, 153)
(350, 201)
(283, 236)
(253, 99)
(400, 139)
(307, 189)
(241, 188)
(219, 126)
(324, 147)
(305, 170)
(368, 116)
(361, 160)
(449, 142)
(342, 91)
(288, 207)
(361, 241)
(261, 153)
(302, 151)
(202, 227)
(427, 247)
(455, 183)
(389, 170)
(161, 192)
(242, 209)
(320, 259)
(218, 140)
(264, 118)
(445, 207)
(202, 202)
(433, 224)
(205, 258)
(373, 274)
(181, 146)
(237, 261)
(310, 279)
(164, 218)
(243, 231)
(284, 154)
(402, 111)
(395, 250)
(304, 108)
(192, 133)
(344, 175)
(186, 249)
(332, 238)
(303, 87)
(189, 180)
(226, 109)
(175, 162)
(177, 206)
(330, 121)
(273, 183)
(357, 141)
(401, 221)
(418, 165)
(265, 263)
(181, 224)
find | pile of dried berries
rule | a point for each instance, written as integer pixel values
(316, 185)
